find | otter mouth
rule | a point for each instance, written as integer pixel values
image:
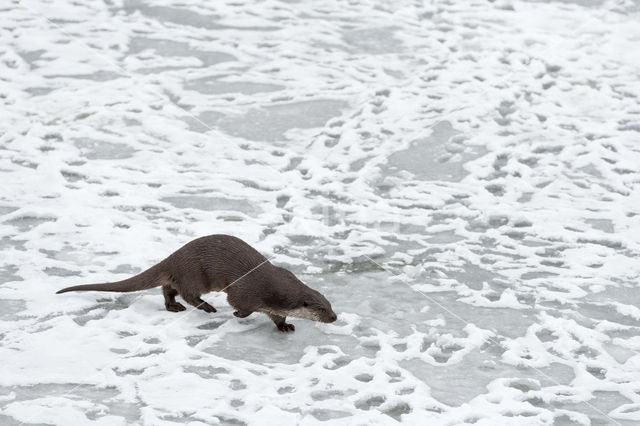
(330, 319)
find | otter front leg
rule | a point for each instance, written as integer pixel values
(243, 306)
(170, 303)
(281, 324)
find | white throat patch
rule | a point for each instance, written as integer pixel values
(304, 313)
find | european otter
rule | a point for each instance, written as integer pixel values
(226, 263)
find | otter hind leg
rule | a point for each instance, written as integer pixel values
(198, 303)
(170, 303)
(281, 323)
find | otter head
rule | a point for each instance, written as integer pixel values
(314, 306)
(307, 303)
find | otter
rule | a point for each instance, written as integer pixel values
(226, 263)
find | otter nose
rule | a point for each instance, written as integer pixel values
(333, 317)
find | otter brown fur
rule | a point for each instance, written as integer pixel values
(226, 263)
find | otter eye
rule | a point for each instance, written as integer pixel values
(305, 304)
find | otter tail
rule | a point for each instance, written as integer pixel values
(150, 278)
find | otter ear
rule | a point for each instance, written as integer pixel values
(305, 304)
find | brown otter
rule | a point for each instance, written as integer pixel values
(226, 263)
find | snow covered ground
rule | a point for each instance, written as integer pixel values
(460, 178)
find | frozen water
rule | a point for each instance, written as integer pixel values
(214, 87)
(270, 123)
(440, 156)
(161, 49)
(373, 40)
(100, 150)
(210, 203)
(461, 179)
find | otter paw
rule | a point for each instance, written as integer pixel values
(208, 308)
(175, 307)
(284, 327)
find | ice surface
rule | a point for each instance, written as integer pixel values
(484, 153)
(100, 150)
(270, 123)
(214, 87)
(440, 156)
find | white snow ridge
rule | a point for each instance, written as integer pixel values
(461, 179)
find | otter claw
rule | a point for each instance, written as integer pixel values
(284, 327)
